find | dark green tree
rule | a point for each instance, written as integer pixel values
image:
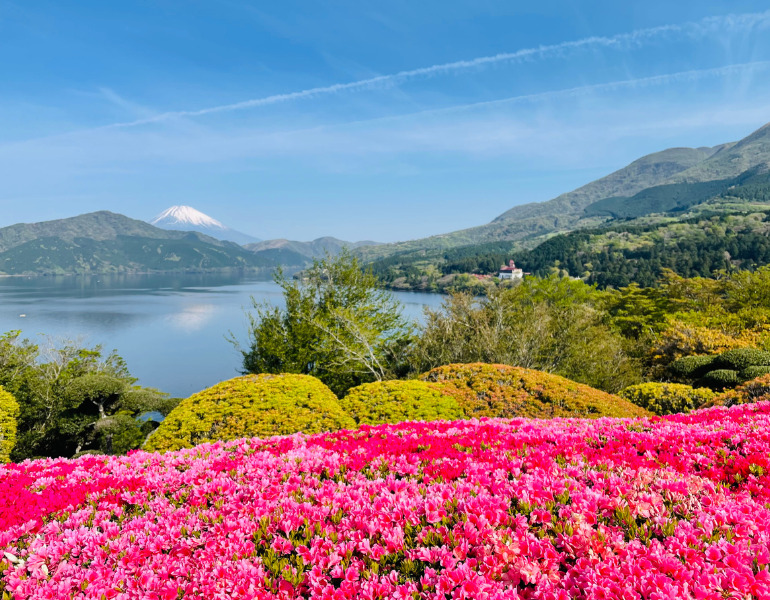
(73, 400)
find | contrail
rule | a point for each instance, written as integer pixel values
(692, 75)
(623, 40)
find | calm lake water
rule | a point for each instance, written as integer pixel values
(170, 329)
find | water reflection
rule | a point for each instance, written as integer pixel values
(192, 318)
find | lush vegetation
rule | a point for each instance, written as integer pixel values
(553, 324)
(485, 390)
(614, 256)
(74, 400)
(9, 412)
(678, 197)
(667, 398)
(252, 405)
(398, 401)
(669, 507)
(337, 325)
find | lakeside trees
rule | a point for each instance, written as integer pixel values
(74, 400)
(337, 324)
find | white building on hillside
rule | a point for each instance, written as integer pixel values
(510, 272)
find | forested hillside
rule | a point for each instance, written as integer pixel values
(105, 242)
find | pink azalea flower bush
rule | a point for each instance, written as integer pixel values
(663, 508)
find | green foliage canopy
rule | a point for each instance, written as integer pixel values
(73, 399)
(337, 325)
(554, 324)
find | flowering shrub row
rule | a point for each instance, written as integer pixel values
(657, 508)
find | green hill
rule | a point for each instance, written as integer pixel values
(694, 229)
(528, 225)
(105, 242)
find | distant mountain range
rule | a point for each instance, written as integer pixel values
(591, 205)
(630, 216)
(186, 218)
(105, 242)
(291, 253)
(625, 227)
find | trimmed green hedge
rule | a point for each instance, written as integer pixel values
(721, 378)
(485, 390)
(742, 358)
(753, 372)
(398, 401)
(252, 405)
(689, 368)
(721, 371)
(667, 398)
(9, 412)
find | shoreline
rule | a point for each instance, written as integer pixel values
(146, 272)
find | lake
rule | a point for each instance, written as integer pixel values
(171, 329)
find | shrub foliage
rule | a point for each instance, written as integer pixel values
(724, 370)
(398, 401)
(667, 398)
(485, 390)
(689, 368)
(9, 412)
(747, 393)
(252, 405)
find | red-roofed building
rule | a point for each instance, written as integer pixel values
(510, 272)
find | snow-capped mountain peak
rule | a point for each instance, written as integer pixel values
(186, 215)
(186, 218)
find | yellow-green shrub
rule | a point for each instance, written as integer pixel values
(504, 391)
(398, 401)
(667, 398)
(252, 405)
(9, 412)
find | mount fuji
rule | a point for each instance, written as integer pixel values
(186, 218)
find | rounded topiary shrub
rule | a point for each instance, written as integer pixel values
(398, 401)
(689, 368)
(742, 358)
(721, 378)
(9, 412)
(667, 398)
(485, 390)
(252, 405)
(754, 372)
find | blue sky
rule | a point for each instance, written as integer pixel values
(358, 119)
